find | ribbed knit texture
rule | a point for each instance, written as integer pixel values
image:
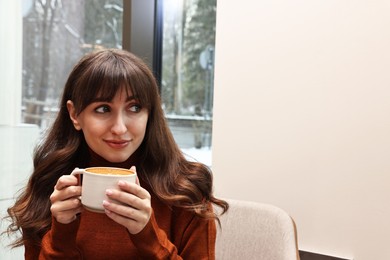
(171, 233)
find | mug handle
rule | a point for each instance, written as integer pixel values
(77, 172)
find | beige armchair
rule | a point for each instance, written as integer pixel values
(258, 231)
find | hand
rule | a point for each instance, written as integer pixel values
(136, 209)
(65, 202)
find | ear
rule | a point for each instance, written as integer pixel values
(72, 114)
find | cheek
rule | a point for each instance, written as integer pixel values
(92, 130)
(139, 126)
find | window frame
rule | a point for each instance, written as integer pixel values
(142, 32)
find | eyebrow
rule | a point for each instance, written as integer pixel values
(131, 98)
(101, 99)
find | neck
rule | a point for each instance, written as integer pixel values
(97, 160)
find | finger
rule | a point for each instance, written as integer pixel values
(120, 214)
(132, 226)
(65, 193)
(128, 199)
(137, 190)
(124, 210)
(65, 217)
(66, 211)
(70, 204)
(66, 180)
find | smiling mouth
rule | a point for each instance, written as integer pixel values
(117, 144)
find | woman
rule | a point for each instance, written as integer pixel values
(111, 115)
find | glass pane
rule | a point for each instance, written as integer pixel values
(55, 35)
(188, 70)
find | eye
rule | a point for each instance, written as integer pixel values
(102, 109)
(135, 108)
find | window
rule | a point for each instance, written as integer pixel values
(187, 72)
(57, 33)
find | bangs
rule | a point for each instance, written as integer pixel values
(109, 73)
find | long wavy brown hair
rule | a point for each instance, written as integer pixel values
(175, 180)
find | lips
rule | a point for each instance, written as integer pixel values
(117, 144)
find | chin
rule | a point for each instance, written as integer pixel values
(117, 159)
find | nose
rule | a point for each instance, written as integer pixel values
(119, 125)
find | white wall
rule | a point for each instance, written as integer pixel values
(16, 140)
(302, 117)
(15, 167)
(11, 62)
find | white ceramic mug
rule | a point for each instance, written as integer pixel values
(95, 182)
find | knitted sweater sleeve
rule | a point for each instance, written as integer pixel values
(192, 238)
(58, 243)
(189, 237)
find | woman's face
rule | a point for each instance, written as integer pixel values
(114, 130)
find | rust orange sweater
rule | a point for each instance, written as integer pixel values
(172, 233)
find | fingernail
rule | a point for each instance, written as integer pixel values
(106, 203)
(121, 183)
(109, 192)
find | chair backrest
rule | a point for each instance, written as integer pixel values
(251, 230)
